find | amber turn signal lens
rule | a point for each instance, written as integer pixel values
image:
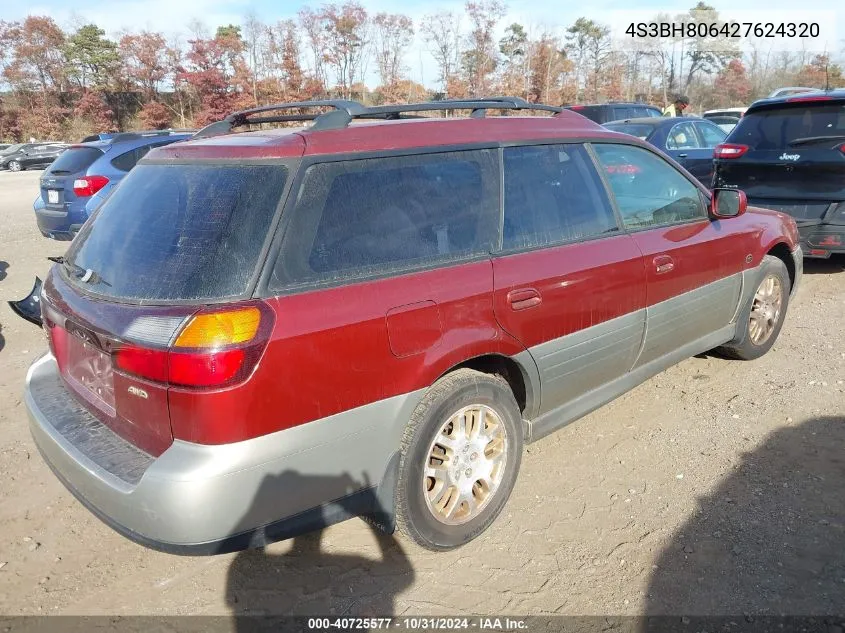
(220, 328)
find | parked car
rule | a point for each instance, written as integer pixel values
(261, 333)
(102, 136)
(788, 154)
(725, 118)
(689, 141)
(20, 156)
(792, 90)
(40, 157)
(85, 174)
(605, 112)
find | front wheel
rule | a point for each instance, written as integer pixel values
(15, 166)
(762, 318)
(459, 460)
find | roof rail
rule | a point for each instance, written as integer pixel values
(345, 111)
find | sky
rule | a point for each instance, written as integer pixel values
(174, 17)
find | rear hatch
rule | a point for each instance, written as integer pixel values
(788, 156)
(134, 310)
(66, 179)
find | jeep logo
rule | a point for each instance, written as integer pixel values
(137, 391)
(786, 156)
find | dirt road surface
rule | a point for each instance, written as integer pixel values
(717, 487)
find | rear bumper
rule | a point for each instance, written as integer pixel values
(58, 224)
(822, 240)
(198, 499)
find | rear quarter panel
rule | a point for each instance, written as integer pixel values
(332, 350)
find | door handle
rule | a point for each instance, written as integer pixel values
(663, 264)
(682, 155)
(524, 298)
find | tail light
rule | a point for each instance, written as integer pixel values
(842, 148)
(729, 150)
(212, 349)
(89, 185)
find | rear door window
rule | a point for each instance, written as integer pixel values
(793, 125)
(640, 130)
(711, 134)
(182, 232)
(622, 112)
(552, 194)
(682, 136)
(128, 160)
(360, 218)
(75, 160)
(648, 191)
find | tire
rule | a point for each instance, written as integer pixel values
(748, 344)
(425, 512)
(15, 166)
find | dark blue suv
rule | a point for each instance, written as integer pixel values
(74, 185)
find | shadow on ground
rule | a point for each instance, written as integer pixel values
(770, 540)
(307, 580)
(836, 264)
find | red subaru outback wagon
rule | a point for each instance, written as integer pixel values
(264, 332)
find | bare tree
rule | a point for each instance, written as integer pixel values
(255, 38)
(312, 24)
(442, 33)
(481, 57)
(393, 35)
(346, 29)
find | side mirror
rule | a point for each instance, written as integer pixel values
(727, 203)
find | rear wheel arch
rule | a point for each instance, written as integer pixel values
(513, 373)
(782, 251)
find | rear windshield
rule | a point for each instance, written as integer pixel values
(634, 129)
(12, 149)
(74, 160)
(790, 126)
(179, 232)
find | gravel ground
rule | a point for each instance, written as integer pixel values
(714, 488)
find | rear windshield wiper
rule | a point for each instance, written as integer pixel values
(85, 275)
(809, 140)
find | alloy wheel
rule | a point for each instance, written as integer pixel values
(765, 310)
(465, 464)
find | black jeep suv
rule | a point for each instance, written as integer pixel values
(788, 154)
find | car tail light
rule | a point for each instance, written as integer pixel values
(89, 185)
(146, 363)
(842, 148)
(729, 150)
(213, 349)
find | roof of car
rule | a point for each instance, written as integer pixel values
(383, 136)
(137, 138)
(802, 97)
(611, 103)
